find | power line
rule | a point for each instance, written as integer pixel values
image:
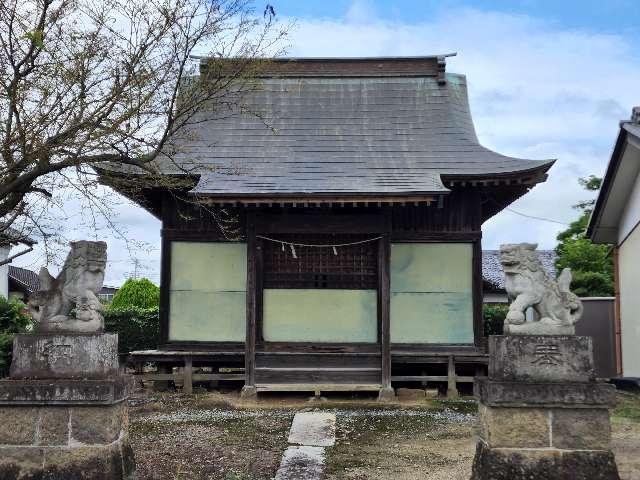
(534, 217)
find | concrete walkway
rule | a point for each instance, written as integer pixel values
(312, 432)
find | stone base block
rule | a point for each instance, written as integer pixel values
(537, 394)
(65, 442)
(249, 392)
(386, 395)
(562, 428)
(541, 358)
(542, 464)
(65, 356)
(65, 392)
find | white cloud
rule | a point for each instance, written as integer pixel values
(536, 92)
(361, 11)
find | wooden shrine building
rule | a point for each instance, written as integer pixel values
(330, 238)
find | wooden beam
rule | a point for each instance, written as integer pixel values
(196, 377)
(430, 378)
(323, 200)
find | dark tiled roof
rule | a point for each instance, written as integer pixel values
(30, 281)
(26, 278)
(492, 270)
(340, 134)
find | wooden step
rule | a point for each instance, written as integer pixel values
(318, 387)
(326, 375)
(317, 360)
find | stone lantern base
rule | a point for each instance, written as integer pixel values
(542, 414)
(65, 428)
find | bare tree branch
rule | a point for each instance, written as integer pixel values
(88, 86)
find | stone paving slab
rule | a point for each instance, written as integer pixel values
(317, 429)
(301, 463)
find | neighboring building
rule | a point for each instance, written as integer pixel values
(10, 238)
(493, 290)
(23, 282)
(107, 293)
(615, 220)
(359, 193)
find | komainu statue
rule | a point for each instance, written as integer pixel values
(75, 289)
(529, 285)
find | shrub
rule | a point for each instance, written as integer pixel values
(136, 293)
(137, 328)
(13, 319)
(494, 315)
(592, 284)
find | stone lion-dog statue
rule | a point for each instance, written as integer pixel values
(69, 302)
(529, 285)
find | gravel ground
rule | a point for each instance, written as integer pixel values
(215, 436)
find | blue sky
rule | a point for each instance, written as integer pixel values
(547, 79)
(601, 16)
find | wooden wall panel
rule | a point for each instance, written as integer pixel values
(207, 291)
(432, 293)
(320, 315)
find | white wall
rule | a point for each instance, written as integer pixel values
(4, 272)
(629, 278)
(631, 212)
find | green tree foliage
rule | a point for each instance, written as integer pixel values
(13, 319)
(137, 328)
(494, 315)
(134, 293)
(591, 264)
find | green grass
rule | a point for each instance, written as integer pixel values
(628, 406)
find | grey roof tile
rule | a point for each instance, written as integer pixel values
(389, 135)
(493, 274)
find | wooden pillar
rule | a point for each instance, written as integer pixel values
(386, 392)
(452, 389)
(165, 285)
(187, 385)
(249, 389)
(617, 327)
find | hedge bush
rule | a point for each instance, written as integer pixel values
(494, 315)
(13, 319)
(134, 293)
(137, 328)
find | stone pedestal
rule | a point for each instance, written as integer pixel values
(63, 411)
(542, 414)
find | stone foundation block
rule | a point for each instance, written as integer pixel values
(65, 356)
(53, 426)
(515, 427)
(62, 426)
(107, 462)
(584, 428)
(542, 464)
(58, 442)
(410, 393)
(98, 425)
